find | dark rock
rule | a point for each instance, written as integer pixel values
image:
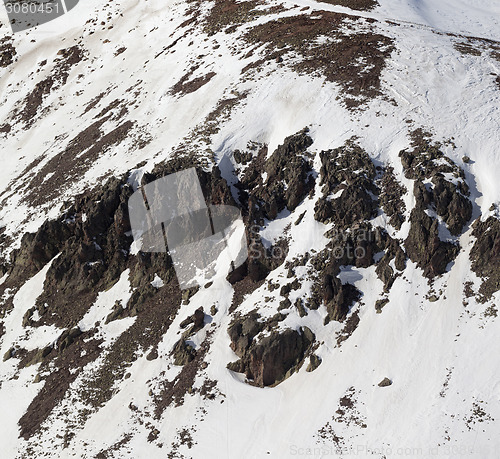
(391, 200)
(347, 170)
(451, 204)
(299, 305)
(424, 247)
(7, 51)
(199, 319)
(117, 313)
(485, 255)
(314, 362)
(67, 338)
(449, 200)
(275, 357)
(186, 322)
(379, 304)
(338, 298)
(9, 354)
(288, 176)
(284, 304)
(385, 382)
(153, 355)
(183, 353)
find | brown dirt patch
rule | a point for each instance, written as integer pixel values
(353, 60)
(362, 5)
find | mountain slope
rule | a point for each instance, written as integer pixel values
(360, 141)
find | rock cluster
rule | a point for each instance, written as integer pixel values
(269, 360)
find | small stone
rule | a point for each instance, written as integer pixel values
(8, 354)
(153, 355)
(433, 298)
(385, 382)
(380, 304)
(314, 362)
(466, 159)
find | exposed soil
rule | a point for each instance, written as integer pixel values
(363, 5)
(355, 61)
(7, 52)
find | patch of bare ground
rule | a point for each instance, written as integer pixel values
(174, 392)
(78, 156)
(228, 14)
(153, 318)
(68, 58)
(115, 447)
(7, 52)
(347, 415)
(349, 327)
(467, 49)
(186, 85)
(69, 365)
(329, 45)
(362, 5)
(94, 102)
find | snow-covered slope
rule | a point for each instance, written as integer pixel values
(98, 358)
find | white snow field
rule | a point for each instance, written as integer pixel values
(442, 356)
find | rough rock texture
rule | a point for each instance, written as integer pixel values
(271, 359)
(288, 178)
(424, 246)
(390, 198)
(7, 51)
(348, 174)
(338, 298)
(485, 255)
(439, 182)
(441, 188)
(355, 61)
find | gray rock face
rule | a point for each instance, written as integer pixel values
(485, 255)
(385, 382)
(272, 359)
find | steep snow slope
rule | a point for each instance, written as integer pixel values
(117, 89)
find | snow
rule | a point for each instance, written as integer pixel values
(103, 306)
(414, 342)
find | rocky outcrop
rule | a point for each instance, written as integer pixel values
(391, 198)
(424, 246)
(288, 177)
(485, 255)
(347, 175)
(7, 52)
(384, 270)
(275, 357)
(183, 353)
(439, 187)
(314, 362)
(269, 360)
(439, 183)
(338, 298)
